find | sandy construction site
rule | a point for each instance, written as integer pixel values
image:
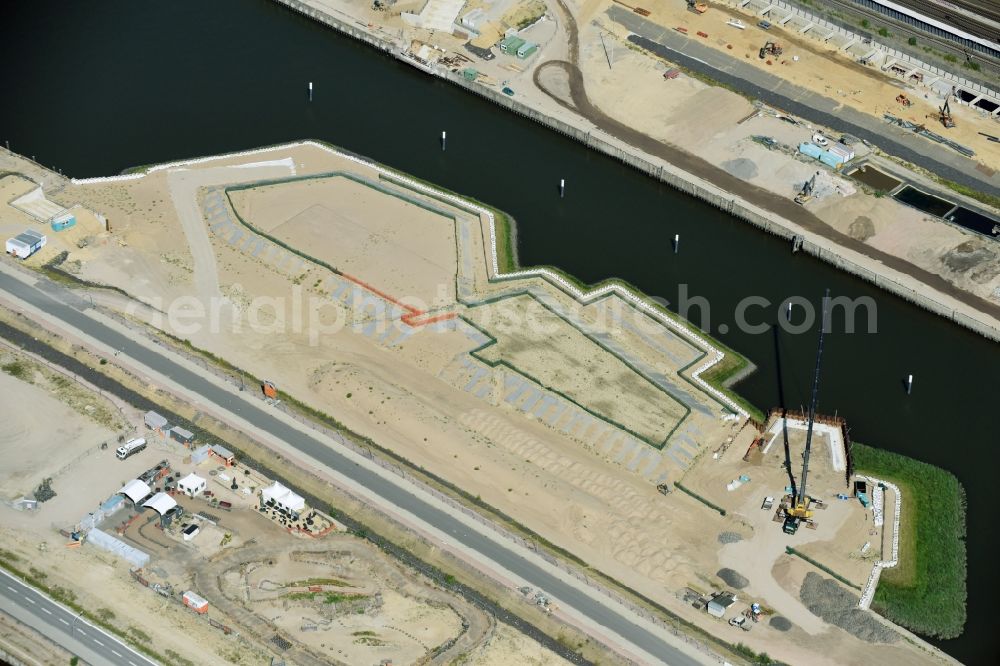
(719, 126)
(336, 599)
(561, 413)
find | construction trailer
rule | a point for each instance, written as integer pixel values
(26, 243)
(63, 221)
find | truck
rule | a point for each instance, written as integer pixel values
(130, 447)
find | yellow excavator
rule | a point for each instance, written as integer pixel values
(799, 510)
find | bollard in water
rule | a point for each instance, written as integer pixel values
(788, 312)
(310, 91)
(562, 188)
(909, 384)
(677, 243)
(444, 140)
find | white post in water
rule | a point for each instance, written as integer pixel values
(788, 312)
(909, 384)
(444, 140)
(677, 243)
(562, 188)
(310, 91)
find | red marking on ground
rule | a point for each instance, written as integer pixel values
(412, 313)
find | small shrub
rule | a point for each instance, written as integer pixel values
(139, 634)
(974, 66)
(106, 614)
(884, 32)
(912, 41)
(865, 23)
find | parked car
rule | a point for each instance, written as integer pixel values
(820, 140)
(768, 503)
(764, 25)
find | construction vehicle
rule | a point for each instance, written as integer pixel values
(663, 489)
(946, 118)
(770, 48)
(800, 511)
(807, 191)
(270, 392)
(697, 7)
(903, 99)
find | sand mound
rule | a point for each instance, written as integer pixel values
(729, 537)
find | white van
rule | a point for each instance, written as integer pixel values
(131, 446)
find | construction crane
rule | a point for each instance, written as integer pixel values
(946, 118)
(697, 7)
(807, 191)
(799, 509)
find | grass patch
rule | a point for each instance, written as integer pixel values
(927, 592)
(17, 370)
(327, 597)
(336, 582)
(701, 499)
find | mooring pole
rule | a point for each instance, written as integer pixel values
(677, 243)
(562, 188)
(444, 141)
(909, 384)
(310, 91)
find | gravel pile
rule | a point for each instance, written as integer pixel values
(733, 578)
(780, 623)
(827, 599)
(729, 537)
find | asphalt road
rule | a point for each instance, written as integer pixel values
(64, 626)
(775, 91)
(611, 616)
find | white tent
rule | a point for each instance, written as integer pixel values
(283, 497)
(135, 490)
(192, 485)
(161, 503)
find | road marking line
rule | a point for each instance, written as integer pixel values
(133, 663)
(98, 642)
(27, 598)
(116, 653)
(11, 589)
(64, 622)
(46, 610)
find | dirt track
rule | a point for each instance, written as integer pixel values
(477, 625)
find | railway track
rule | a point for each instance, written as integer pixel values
(983, 9)
(988, 64)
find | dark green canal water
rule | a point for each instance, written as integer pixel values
(95, 87)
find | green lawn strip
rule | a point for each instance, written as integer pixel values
(930, 599)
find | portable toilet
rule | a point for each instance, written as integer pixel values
(63, 221)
